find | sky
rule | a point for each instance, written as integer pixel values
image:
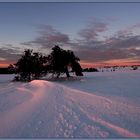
(98, 33)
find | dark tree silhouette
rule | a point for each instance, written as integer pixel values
(61, 59)
(30, 66)
(33, 65)
(11, 68)
(90, 70)
(74, 63)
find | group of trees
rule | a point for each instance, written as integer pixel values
(60, 60)
(33, 65)
(90, 70)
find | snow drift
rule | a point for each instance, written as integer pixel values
(46, 109)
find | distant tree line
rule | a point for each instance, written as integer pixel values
(134, 67)
(33, 65)
(5, 71)
(90, 70)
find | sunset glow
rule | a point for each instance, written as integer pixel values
(123, 62)
(4, 65)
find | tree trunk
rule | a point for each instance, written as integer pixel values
(58, 74)
(29, 77)
(67, 72)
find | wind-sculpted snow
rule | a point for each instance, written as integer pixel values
(46, 109)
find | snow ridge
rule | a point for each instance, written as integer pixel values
(47, 109)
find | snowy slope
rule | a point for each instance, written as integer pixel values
(97, 105)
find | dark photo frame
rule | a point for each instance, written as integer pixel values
(69, 70)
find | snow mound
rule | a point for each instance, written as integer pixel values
(40, 83)
(51, 110)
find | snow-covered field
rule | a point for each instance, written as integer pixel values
(102, 104)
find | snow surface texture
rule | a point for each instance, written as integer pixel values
(102, 104)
